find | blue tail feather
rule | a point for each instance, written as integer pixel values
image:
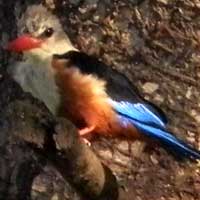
(167, 139)
(138, 111)
(151, 126)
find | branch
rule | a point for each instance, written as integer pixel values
(27, 125)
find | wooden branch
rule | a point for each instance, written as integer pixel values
(26, 125)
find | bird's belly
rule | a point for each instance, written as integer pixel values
(40, 83)
(105, 121)
(85, 102)
(111, 125)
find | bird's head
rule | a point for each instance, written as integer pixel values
(40, 32)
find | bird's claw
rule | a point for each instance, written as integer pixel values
(87, 142)
(86, 130)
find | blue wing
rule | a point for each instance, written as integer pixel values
(152, 126)
(139, 112)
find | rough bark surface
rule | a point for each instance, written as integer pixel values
(156, 44)
(31, 138)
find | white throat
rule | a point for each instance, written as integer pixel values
(36, 75)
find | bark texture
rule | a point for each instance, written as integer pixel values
(156, 44)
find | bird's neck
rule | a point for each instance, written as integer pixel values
(38, 60)
(35, 74)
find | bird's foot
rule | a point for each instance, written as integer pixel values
(86, 131)
(87, 142)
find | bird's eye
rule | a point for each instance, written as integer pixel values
(48, 32)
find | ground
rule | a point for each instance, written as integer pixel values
(155, 43)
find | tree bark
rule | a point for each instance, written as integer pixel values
(31, 137)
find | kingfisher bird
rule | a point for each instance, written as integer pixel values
(96, 98)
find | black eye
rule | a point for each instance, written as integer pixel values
(48, 32)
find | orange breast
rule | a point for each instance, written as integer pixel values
(85, 102)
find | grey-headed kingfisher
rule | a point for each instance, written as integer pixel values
(95, 97)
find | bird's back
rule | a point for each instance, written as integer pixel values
(118, 87)
(85, 102)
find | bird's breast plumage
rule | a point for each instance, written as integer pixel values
(37, 79)
(85, 100)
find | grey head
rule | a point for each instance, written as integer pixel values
(35, 73)
(40, 23)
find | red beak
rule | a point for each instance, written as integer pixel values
(24, 43)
